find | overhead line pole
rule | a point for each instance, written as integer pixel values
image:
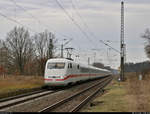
(62, 47)
(122, 45)
(69, 53)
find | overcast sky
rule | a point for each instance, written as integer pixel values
(101, 17)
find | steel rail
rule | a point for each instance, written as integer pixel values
(24, 100)
(85, 101)
(21, 95)
(53, 106)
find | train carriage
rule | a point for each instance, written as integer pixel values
(61, 72)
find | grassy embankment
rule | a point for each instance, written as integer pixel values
(132, 95)
(13, 85)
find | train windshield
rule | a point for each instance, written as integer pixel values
(56, 66)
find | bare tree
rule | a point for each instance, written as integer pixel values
(45, 48)
(1, 43)
(4, 58)
(2, 70)
(146, 35)
(20, 47)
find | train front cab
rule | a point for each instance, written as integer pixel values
(55, 74)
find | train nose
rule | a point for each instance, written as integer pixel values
(55, 81)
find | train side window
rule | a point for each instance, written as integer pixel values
(78, 66)
(70, 65)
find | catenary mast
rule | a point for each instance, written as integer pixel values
(122, 46)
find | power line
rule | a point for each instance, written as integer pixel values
(74, 22)
(20, 7)
(10, 19)
(75, 8)
(84, 23)
(25, 10)
(92, 34)
(35, 18)
(109, 46)
(88, 28)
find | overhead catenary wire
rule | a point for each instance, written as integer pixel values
(76, 10)
(79, 15)
(24, 10)
(37, 19)
(109, 46)
(81, 18)
(15, 21)
(74, 22)
(86, 26)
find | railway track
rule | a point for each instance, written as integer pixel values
(19, 96)
(72, 104)
(85, 101)
(12, 101)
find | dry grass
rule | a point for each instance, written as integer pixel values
(138, 93)
(14, 83)
(112, 101)
(133, 95)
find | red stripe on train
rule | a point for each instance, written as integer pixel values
(71, 76)
(48, 79)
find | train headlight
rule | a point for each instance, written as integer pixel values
(54, 76)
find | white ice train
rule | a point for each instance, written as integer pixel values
(61, 72)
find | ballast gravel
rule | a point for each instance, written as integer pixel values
(42, 102)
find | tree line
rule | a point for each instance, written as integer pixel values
(137, 67)
(101, 65)
(23, 54)
(142, 66)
